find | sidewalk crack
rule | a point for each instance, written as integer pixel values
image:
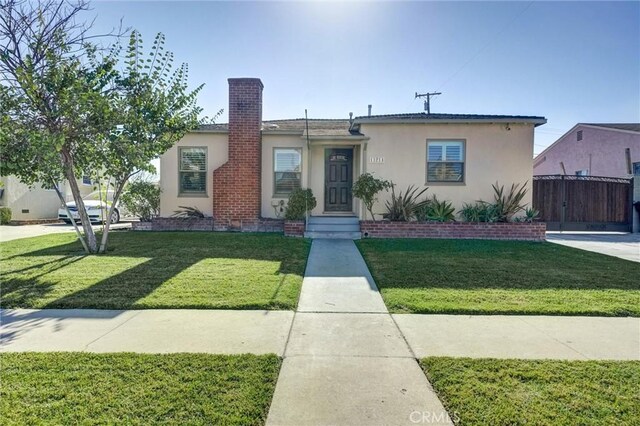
(552, 337)
(86, 347)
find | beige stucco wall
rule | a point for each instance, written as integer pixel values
(40, 203)
(217, 155)
(492, 153)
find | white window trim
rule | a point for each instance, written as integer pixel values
(445, 142)
(204, 194)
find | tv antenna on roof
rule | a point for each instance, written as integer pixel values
(427, 103)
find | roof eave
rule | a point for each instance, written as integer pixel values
(535, 121)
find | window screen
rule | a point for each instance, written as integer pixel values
(445, 161)
(193, 170)
(287, 167)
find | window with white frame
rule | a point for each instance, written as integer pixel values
(445, 161)
(287, 170)
(86, 180)
(193, 171)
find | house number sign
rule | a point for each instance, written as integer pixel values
(376, 160)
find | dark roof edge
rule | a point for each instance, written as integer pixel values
(388, 119)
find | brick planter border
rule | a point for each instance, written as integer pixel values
(294, 228)
(209, 224)
(456, 230)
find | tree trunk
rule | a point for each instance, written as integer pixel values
(90, 236)
(73, 222)
(105, 232)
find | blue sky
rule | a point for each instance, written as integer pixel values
(568, 61)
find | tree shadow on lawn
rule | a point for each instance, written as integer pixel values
(166, 255)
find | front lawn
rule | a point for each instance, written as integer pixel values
(500, 277)
(146, 270)
(80, 388)
(524, 392)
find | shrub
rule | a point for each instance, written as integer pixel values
(300, 202)
(508, 204)
(142, 199)
(403, 207)
(479, 212)
(188, 213)
(5, 215)
(367, 187)
(440, 211)
(531, 214)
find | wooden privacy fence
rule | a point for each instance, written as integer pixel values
(584, 203)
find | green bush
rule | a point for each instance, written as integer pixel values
(479, 212)
(5, 215)
(300, 202)
(440, 211)
(507, 204)
(185, 212)
(367, 187)
(142, 198)
(403, 207)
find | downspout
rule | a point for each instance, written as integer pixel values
(306, 121)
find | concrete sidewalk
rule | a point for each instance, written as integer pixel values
(346, 361)
(624, 246)
(520, 336)
(150, 331)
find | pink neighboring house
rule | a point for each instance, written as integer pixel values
(593, 149)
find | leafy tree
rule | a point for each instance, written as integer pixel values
(367, 188)
(66, 109)
(54, 103)
(154, 109)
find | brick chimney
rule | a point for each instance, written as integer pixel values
(237, 183)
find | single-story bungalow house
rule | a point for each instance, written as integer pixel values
(242, 172)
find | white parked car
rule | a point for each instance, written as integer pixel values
(96, 206)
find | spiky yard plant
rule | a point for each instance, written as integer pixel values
(403, 207)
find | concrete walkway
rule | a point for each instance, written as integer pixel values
(346, 362)
(624, 246)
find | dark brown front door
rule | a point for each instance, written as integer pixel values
(338, 172)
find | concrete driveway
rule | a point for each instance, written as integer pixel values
(9, 233)
(624, 246)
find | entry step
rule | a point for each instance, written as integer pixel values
(333, 227)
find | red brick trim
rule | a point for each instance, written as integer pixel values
(208, 224)
(457, 230)
(294, 228)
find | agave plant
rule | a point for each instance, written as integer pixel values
(188, 213)
(440, 211)
(403, 207)
(479, 212)
(531, 214)
(508, 204)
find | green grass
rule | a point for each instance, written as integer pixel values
(80, 388)
(500, 277)
(520, 392)
(146, 270)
